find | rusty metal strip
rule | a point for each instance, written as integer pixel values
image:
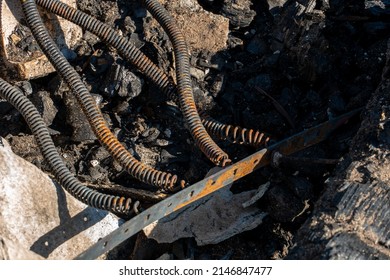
(213, 183)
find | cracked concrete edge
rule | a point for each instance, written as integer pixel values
(65, 34)
(38, 214)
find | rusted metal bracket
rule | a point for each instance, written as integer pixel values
(213, 183)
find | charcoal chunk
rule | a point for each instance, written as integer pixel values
(239, 13)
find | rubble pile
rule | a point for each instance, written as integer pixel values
(279, 67)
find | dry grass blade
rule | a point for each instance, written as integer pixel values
(277, 106)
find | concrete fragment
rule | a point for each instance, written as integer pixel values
(212, 220)
(41, 216)
(18, 47)
(12, 250)
(203, 30)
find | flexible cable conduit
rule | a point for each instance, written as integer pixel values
(144, 173)
(34, 120)
(184, 85)
(127, 50)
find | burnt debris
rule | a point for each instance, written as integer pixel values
(167, 112)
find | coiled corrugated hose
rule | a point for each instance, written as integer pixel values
(146, 174)
(184, 84)
(109, 35)
(235, 134)
(115, 204)
(127, 50)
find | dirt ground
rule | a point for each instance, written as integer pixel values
(283, 68)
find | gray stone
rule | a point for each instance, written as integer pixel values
(122, 81)
(131, 85)
(150, 135)
(45, 106)
(41, 217)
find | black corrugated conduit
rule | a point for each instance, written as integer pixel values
(164, 180)
(115, 204)
(127, 50)
(184, 85)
